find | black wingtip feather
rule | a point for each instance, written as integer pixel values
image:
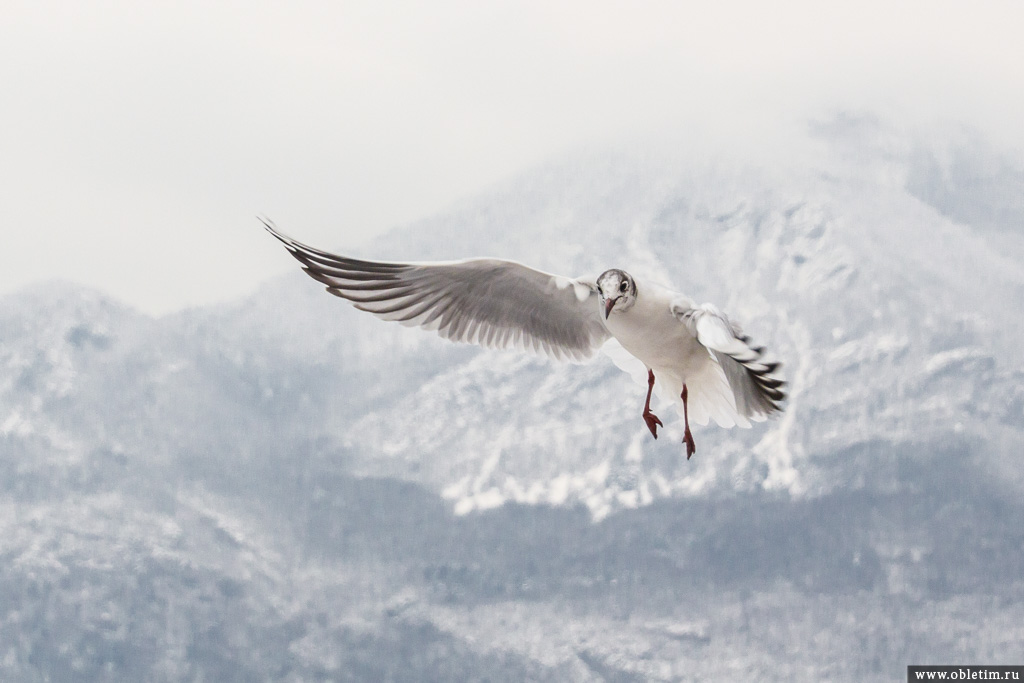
(770, 388)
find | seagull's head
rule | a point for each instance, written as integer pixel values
(617, 290)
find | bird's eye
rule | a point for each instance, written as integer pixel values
(622, 287)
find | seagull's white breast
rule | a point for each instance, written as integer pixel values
(650, 331)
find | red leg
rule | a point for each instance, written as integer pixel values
(650, 418)
(691, 448)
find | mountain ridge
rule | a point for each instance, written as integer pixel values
(284, 487)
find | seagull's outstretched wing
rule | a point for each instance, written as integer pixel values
(756, 390)
(490, 302)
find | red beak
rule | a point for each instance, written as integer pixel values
(608, 305)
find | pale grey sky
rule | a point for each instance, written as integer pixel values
(139, 140)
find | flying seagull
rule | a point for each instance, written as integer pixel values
(697, 355)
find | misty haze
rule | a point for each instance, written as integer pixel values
(213, 470)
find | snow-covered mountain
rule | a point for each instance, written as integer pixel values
(285, 487)
(896, 323)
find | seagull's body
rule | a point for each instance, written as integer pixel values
(694, 353)
(650, 331)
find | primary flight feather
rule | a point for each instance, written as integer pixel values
(695, 353)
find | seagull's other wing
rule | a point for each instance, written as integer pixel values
(756, 389)
(490, 302)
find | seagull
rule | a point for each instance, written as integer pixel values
(698, 357)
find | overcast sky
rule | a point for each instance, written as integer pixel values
(138, 140)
